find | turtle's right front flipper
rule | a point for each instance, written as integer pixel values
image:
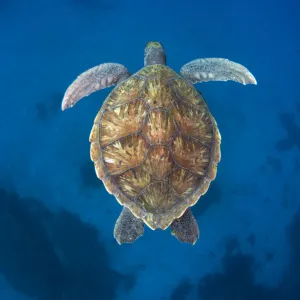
(92, 80)
(216, 69)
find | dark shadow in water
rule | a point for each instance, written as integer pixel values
(237, 280)
(292, 139)
(291, 283)
(54, 256)
(182, 291)
(27, 258)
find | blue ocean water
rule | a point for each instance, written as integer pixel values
(56, 218)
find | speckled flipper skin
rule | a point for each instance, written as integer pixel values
(216, 69)
(128, 228)
(185, 228)
(92, 80)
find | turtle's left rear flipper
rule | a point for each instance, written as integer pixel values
(92, 80)
(128, 228)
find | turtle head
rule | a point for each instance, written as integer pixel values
(154, 54)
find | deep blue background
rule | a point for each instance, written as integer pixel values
(56, 218)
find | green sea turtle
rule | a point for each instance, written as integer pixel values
(154, 143)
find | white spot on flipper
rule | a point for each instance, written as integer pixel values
(103, 82)
(109, 80)
(211, 75)
(197, 75)
(203, 75)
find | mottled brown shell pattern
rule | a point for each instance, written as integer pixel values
(155, 145)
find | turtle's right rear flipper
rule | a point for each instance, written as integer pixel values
(185, 228)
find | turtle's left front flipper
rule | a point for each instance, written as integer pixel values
(92, 80)
(216, 69)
